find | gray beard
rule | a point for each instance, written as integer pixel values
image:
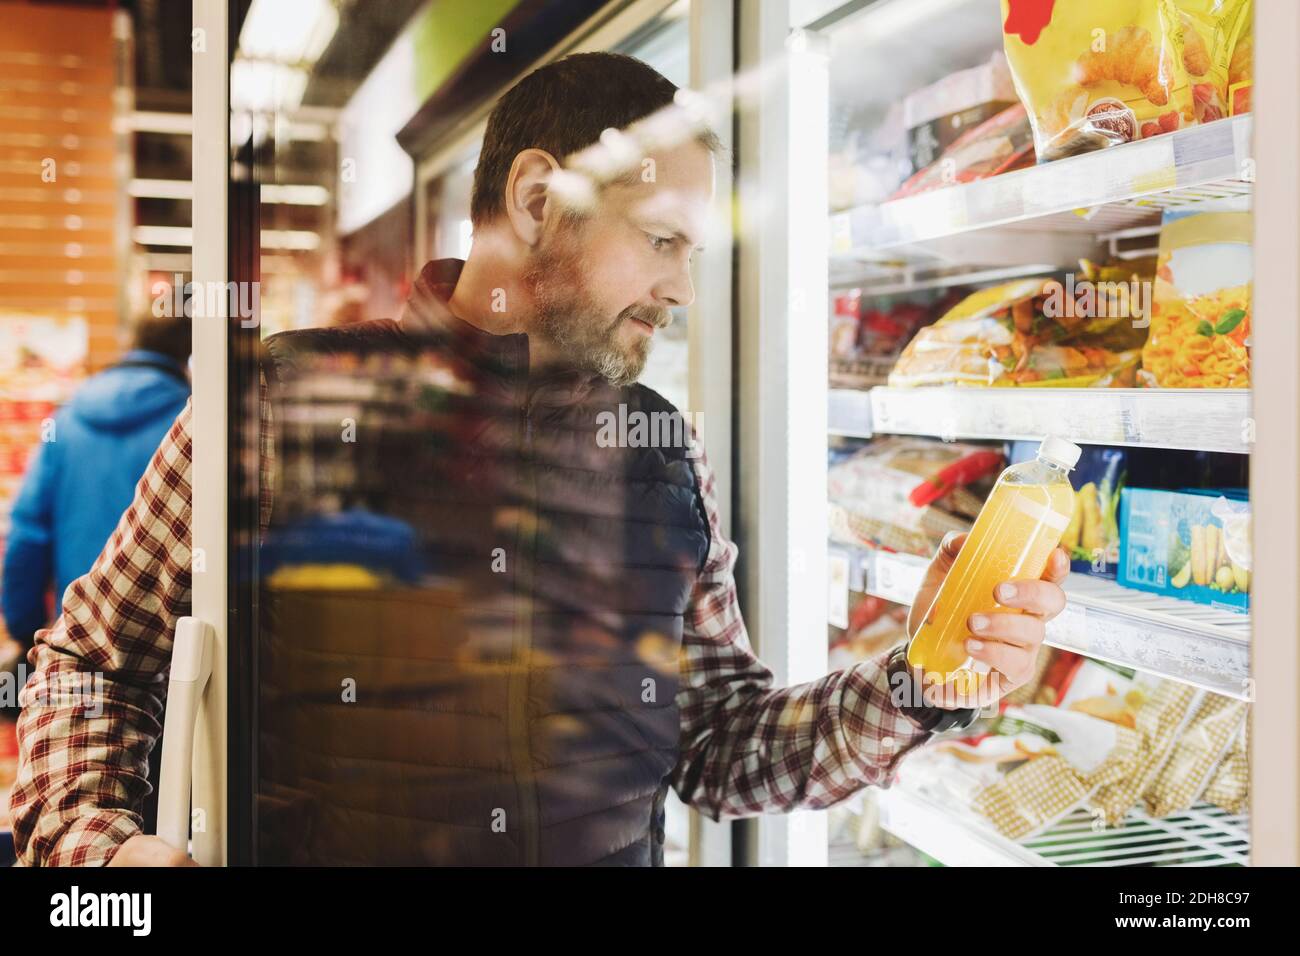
(570, 324)
(593, 350)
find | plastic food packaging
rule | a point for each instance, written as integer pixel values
(875, 626)
(1088, 753)
(1196, 755)
(905, 494)
(1241, 68)
(1201, 304)
(1176, 543)
(1092, 536)
(1001, 143)
(1106, 691)
(1212, 31)
(1160, 717)
(1036, 332)
(1025, 769)
(1229, 787)
(1050, 750)
(937, 115)
(1099, 73)
(1014, 535)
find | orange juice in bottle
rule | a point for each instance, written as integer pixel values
(1014, 535)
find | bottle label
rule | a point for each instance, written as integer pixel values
(1041, 513)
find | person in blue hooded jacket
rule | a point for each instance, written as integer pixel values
(79, 483)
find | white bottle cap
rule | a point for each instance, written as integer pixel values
(1060, 452)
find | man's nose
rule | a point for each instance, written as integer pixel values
(676, 290)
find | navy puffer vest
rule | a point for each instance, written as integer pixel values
(505, 694)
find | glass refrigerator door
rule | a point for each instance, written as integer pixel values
(366, 682)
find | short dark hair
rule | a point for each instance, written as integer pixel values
(169, 335)
(562, 108)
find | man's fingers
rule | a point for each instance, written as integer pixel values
(1015, 662)
(952, 542)
(1058, 566)
(1037, 597)
(1018, 630)
(148, 850)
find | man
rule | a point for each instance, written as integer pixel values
(83, 475)
(588, 651)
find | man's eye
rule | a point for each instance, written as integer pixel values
(658, 242)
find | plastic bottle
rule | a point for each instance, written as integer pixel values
(1016, 531)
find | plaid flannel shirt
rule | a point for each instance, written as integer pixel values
(747, 747)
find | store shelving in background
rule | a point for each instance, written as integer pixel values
(1041, 220)
(1095, 193)
(1203, 646)
(1200, 836)
(1198, 419)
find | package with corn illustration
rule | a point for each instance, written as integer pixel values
(1097, 74)
(1092, 536)
(1193, 545)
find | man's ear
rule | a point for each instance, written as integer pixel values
(527, 191)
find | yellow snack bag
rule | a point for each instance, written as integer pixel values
(1098, 73)
(1241, 67)
(1212, 32)
(1201, 306)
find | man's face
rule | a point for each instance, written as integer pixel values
(603, 285)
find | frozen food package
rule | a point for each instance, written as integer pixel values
(1176, 543)
(1036, 332)
(875, 625)
(1032, 764)
(1092, 537)
(937, 115)
(844, 324)
(1229, 787)
(1000, 144)
(1201, 304)
(1098, 73)
(1159, 719)
(1200, 748)
(1081, 754)
(1234, 517)
(1040, 688)
(897, 493)
(1212, 32)
(869, 161)
(1109, 692)
(1241, 68)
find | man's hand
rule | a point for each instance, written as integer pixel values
(1008, 643)
(145, 850)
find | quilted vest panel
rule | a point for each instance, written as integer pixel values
(471, 609)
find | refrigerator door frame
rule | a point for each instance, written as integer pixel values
(210, 416)
(711, 320)
(1275, 400)
(782, 342)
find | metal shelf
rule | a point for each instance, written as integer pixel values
(1190, 418)
(847, 414)
(1202, 836)
(1191, 643)
(1133, 181)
